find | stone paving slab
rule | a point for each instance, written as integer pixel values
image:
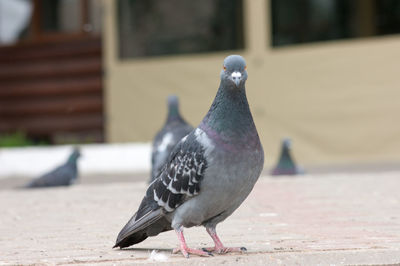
(346, 219)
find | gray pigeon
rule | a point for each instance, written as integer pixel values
(174, 130)
(286, 164)
(63, 175)
(209, 173)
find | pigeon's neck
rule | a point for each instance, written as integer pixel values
(286, 160)
(229, 116)
(72, 160)
(173, 114)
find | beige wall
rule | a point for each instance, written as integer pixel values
(338, 101)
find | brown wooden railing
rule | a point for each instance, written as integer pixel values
(52, 88)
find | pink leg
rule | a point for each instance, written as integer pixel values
(185, 249)
(219, 247)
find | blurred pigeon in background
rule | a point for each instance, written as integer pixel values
(63, 175)
(286, 164)
(209, 173)
(175, 128)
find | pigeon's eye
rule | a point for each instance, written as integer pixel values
(224, 67)
(245, 67)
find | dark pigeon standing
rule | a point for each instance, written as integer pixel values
(286, 164)
(63, 175)
(175, 128)
(209, 173)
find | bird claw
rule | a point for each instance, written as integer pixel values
(223, 250)
(186, 251)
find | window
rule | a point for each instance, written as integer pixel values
(163, 27)
(61, 15)
(305, 21)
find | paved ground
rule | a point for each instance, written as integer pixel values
(346, 219)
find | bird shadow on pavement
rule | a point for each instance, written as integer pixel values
(146, 249)
(168, 250)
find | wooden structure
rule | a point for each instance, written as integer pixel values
(51, 85)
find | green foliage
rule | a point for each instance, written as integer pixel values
(17, 139)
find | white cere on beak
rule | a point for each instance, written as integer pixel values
(236, 74)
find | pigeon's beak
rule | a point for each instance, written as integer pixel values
(236, 77)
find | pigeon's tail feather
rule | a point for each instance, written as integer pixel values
(135, 231)
(24, 186)
(37, 183)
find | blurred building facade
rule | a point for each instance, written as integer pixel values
(322, 72)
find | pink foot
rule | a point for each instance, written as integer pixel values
(219, 247)
(185, 250)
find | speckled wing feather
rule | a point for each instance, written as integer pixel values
(181, 177)
(178, 181)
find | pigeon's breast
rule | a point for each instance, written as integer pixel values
(233, 173)
(233, 162)
(228, 180)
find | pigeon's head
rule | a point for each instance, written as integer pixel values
(173, 100)
(173, 107)
(234, 71)
(75, 154)
(287, 143)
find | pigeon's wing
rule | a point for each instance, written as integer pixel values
(159, 153)
(46, 180)
(180, 178)
(65, 175)
(61, 176)
(178, 181)
(164, 143)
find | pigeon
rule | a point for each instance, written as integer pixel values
(175, 128)
(63, 175)
(209, 173)
(286, 164)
